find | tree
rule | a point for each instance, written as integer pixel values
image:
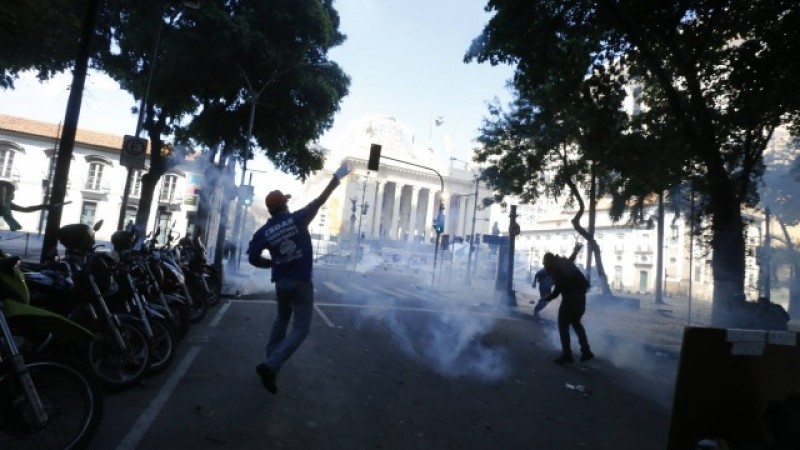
(779, 192)
(199, 93)
(41, 35)
(717, 77)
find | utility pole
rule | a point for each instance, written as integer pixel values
(472, 245)
(766, 254)
(660, 251)
(513, 231)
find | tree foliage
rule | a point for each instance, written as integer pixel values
(715, 78)
(206, 65)
(40, 35)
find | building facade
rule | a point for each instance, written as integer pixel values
(96, 180)
(398, 202)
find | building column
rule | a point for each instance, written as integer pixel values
(377, 210)
(463, 219)
(430, 214)
(412, 219)
(395, 220)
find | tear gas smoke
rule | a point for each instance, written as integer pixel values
(445, 337)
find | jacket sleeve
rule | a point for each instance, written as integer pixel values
(254, 250)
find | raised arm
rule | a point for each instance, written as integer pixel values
(575, 251)
(317, 203)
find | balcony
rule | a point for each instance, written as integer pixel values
(94, 191)
(172, 202)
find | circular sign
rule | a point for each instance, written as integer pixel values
(135, 147)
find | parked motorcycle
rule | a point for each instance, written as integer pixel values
(193, 259)
(120, 354)
(160, 324)
(178, 281)
(48, 399)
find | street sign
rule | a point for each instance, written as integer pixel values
(134, 151)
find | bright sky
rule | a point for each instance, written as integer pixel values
(404, 59)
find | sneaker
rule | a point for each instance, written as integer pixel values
(565, 358)
(267, 378)
(587, 355)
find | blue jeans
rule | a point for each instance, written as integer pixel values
(294, 297)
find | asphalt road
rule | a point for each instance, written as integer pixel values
(389, 365)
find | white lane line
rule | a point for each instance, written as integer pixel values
(333, 287)
(219, 315)
(132, 439)
(430, 310)
(362, 289)
(413, 294)
(392, 293)
(324, 317)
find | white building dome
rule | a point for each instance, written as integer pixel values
(396, 138)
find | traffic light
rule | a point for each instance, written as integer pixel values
(438, 223)
(438, 227)
(374, 157)
(246, 191)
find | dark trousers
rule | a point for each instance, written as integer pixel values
(569, 314)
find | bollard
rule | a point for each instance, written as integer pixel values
(27, 238)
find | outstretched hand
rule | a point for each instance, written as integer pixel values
(56, 205)
(342, 171)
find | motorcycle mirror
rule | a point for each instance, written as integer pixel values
(158, 231)
(98, 225)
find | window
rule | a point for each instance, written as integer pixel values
(6, 162)
(130, 216)
(51, 173)
(95, 179)
(88, 212)
(136, 184)
(168, 188)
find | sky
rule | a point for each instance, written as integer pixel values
(404, 57)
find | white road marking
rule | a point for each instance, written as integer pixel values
(392, 293)
(413, 294)
(430, 310)
(333, 287)
(131, 440)
(324, 317)
(362, 289)
(219, 315)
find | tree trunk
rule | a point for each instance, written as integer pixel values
(149, 183)
(593, 247)
(727, 261)
(794, 280)
(660, 252)
(226, 169)
(592, 216)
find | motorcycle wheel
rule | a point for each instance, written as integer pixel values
(72, 398)
(117, 369)
(197, 304)
(214, 288)
(162, 344)
(181, 315)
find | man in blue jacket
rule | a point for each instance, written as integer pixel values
(288, 240)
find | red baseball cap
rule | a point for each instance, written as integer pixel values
(276, 199)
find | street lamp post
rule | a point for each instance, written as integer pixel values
(472, 234)
(254, 96)
(439, 222)
(474, 213)
(142, 105)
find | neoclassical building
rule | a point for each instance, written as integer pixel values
(399, 201)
